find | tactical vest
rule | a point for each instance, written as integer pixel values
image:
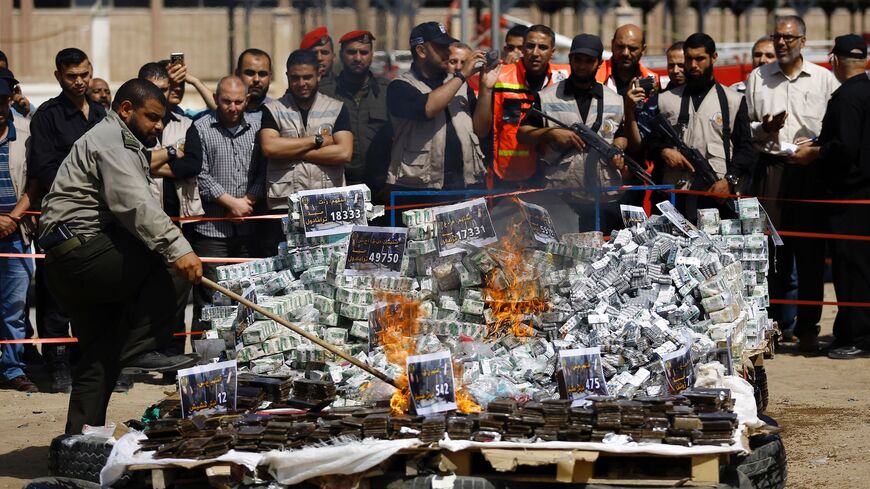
(512, 160)
(190, 203)
(417, 157)
(285, 177)
(703, 131)
(566, 168)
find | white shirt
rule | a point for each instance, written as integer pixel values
(805, 97)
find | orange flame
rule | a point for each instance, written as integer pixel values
(399, 325)
(511, 291)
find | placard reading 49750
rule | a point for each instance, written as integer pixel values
(467, 222)
(375, 250)
(332, 210)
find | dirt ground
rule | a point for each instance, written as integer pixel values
(823, 406)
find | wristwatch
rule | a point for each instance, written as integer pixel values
(318, 141)
(458, 74)
(732, 180)
(172, 153)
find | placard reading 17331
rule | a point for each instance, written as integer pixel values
(377, 250)
(463, 223)
(332, 210)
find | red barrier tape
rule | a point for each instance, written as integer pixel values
(34, 341)
(819, 303)
(205, 259)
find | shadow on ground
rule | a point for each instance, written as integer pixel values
(21, 464)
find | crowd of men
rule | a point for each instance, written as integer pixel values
(120, 182)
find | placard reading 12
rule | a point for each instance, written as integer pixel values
(375, 250)
(208, 389)
(332, 210)
(583, 373)
(430, 379)
(463, 223)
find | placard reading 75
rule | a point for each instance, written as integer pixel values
(583, 373)
(377, 250)
(464, 223)
(332, 210)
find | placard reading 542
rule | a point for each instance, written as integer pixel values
(464, 223)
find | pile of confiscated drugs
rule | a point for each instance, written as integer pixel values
(695, 417)
(506, 310)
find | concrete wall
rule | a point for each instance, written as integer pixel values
(202, 34)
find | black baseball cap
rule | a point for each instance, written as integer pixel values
(431, 32)
(587, 44)
(850, 46)
(7, 81)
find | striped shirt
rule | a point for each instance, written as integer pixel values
(231, 163)
(8, 198)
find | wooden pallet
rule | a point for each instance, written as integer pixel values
(218, 474)
(585, 466)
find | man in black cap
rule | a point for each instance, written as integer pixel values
(437, 120)
(567, 161)
(842, 157)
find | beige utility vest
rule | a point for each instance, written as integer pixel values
(567, 168)
(417, 157)
(285, 177)
(190, 203)
(704, 130)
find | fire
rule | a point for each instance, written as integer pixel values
(398, 326)
(511, 292)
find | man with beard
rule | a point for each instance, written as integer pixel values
(787, 100)
(99, 92)
(437, 120)
(712, 119)
(56, 125)
(111, 250)
(223, 143)
(254, 67)
(515, 164)
(618, 72)
(566, 161)
(320, 43)
(306, 137)
(365, 98)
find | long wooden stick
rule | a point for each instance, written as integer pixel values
(296, 329)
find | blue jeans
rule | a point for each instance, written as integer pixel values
(15, 275)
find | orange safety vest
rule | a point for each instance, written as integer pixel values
(604, 75)
(511, 99)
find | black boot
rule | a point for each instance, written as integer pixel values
(57, 360)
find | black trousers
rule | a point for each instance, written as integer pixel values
(235, 247)
(808, 255)
(123, 300)
(51, 320)
(611, 217)
(851, 265)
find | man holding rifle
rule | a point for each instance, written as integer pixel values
(569, 159)
(714, 150)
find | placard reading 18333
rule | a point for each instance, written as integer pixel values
(375, 250)
(464, 223)
(332, 210)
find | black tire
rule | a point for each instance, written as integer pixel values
(766, 466)
(60, 483)
(78, 457)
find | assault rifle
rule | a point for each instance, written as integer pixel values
(599, 144)
(704, 176)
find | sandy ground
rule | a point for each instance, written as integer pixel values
(823, 406)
